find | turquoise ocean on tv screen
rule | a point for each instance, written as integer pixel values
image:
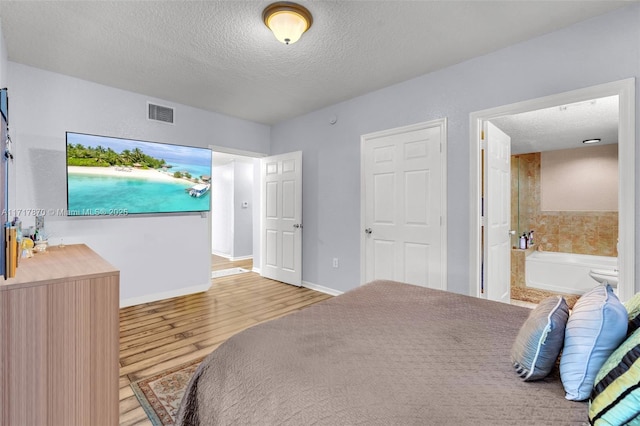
(115, 196)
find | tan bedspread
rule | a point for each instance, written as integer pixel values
(383, 354)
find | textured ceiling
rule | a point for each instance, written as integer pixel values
(219, 56)
(562, 126)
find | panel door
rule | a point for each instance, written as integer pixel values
(281, 224)
(497, 271)
(403, 225)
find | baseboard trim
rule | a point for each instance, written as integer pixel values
(164, 295)
(255, 269)
(235, 259)
(321, 288)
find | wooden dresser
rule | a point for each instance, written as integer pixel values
(59, 340)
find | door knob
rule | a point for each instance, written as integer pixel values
(297, 225)
(368, 231)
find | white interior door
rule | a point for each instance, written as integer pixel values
(281, 214)
(404, 188)
(497, 210)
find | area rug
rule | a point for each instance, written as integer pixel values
(160, 395)
(227, 272)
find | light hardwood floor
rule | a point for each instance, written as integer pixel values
(218, 263)
(159, 335)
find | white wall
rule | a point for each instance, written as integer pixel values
(158, 256)
(243, 216)
(597, 51)
(222, 182)
(232, 224)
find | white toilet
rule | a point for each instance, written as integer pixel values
(605, 275)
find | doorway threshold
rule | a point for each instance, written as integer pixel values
(227, 272)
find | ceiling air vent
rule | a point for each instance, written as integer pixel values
(160, 113)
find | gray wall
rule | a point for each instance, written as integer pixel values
(601, 50)
(4, 61)
(158, 256)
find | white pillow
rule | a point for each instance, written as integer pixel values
(597, 325)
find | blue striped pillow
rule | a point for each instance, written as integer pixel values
(615, 399)
(596, 327)
(540, 339)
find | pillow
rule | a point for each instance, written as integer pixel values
(540, 339)
(615, 399)
(597, 325)
(633, 310)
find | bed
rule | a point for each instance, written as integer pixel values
(385, 353)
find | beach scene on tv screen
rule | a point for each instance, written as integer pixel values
(116, 177)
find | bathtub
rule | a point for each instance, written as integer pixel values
(564, 272)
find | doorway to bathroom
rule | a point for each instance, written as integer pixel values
(550, 235)
(564, 197)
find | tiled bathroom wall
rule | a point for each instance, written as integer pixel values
(581, 232)
(578, 232)
(525, 193)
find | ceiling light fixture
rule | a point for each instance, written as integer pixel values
(588, 141)
(287, 20)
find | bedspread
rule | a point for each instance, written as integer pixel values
(385, 353)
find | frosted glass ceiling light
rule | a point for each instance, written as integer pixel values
(588, 141)
(287, 20)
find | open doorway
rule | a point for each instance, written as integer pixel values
(564, 198)
(480, 279)
(234, 220)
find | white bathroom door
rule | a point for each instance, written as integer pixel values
(281, 218)
(497, 214)
(403, 198)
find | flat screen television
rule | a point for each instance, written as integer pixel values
(109, 176)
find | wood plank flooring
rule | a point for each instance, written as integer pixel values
(163, 334)
(218, 263)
